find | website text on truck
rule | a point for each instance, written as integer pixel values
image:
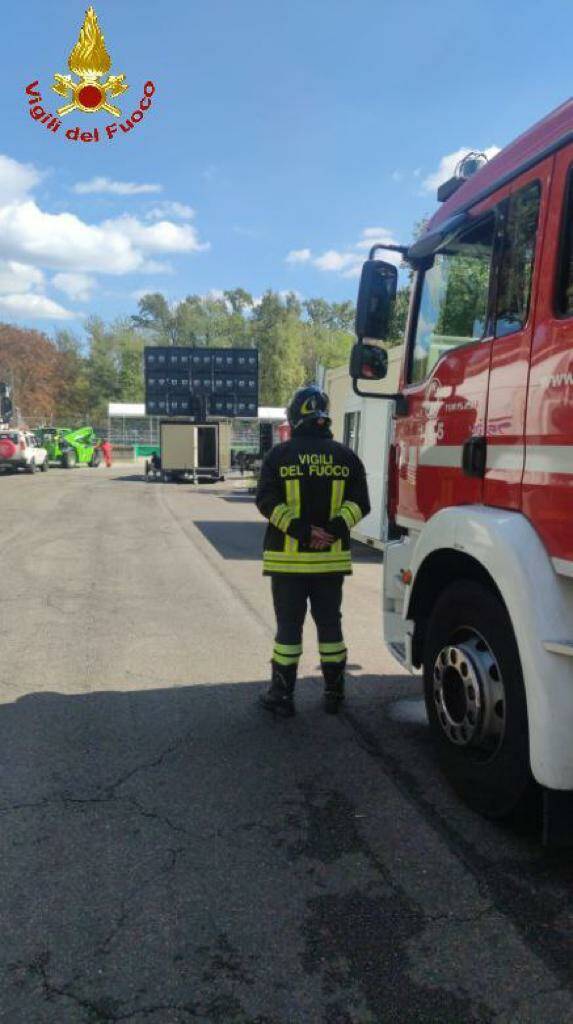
(478, 579)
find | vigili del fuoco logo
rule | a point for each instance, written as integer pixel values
(88, 90)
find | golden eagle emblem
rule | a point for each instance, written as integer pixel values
(90, 61)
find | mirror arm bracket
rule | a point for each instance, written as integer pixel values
(403, 249)
(400, 399)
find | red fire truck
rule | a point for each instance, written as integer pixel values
(478, 578)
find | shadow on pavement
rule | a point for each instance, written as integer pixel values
(246, 499)
(243, 539)
(236, 540)
(130, 478)
(178, 854)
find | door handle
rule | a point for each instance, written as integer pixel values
(474, 457)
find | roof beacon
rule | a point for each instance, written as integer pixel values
(467, 167)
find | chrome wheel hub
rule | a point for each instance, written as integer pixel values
(469, 694)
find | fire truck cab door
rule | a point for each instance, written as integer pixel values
(523, 206)
(440, 443)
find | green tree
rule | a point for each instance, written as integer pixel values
(73, 390)
(399, 318)
(156, 318)
(278, 335)
(336, 316)
(114, 365)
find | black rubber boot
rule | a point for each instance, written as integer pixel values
(333, 686)
(279, 698)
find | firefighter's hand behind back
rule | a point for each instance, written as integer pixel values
(320, 539)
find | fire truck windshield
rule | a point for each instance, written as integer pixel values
(453, 300)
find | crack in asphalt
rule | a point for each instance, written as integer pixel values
(108, 792)
(99, 1011)
(459, 918)
(223, 1007)
(103, 948)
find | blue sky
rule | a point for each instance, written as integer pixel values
(294, 132)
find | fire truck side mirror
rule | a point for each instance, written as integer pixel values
(368, 362)
(376, 294)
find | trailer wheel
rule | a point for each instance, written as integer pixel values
(95, 460)
(69, 459)
(475, 700)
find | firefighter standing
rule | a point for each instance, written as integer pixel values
(313, 491)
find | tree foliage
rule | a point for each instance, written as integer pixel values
(65, 380)
(30, 363)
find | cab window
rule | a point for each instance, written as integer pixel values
(453, 303)
(565, 280)
(516, 261)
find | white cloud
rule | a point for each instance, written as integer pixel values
(105, 186)
(21, 294)
(448, 164)
(33, 240)
(372, 236)
(76, 286)
(18, 277)
(22, 307)
(162, 237)
(299, 256)
(348, 262)
(170, 209)
(63, 241)
(397, 176)
(16, 179)
(334, 260)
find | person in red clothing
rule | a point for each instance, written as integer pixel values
(106, 452)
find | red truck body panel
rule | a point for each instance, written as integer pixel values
(513, 391)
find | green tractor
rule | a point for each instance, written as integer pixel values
(69, 448)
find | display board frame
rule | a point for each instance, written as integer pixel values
(201, 383)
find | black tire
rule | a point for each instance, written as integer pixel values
(480, 731)
(69, 459)
(45, 466)
(31, 467)
(95, 460)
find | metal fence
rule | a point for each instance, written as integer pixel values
(130, 432)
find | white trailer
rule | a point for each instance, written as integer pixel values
(199, 451)
(365, 425)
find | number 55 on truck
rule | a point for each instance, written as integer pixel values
(478, 577)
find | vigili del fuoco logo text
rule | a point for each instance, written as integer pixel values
(88, 90)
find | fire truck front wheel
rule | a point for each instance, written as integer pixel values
(475, 700)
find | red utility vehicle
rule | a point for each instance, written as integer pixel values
(478, 580)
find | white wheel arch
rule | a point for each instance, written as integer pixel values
(540, 605)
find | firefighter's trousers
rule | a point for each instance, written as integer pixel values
(291, 595)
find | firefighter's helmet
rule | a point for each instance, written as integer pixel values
(308, 405)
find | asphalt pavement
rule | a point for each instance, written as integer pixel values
(170, 853)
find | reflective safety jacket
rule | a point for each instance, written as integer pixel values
(308, 481)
